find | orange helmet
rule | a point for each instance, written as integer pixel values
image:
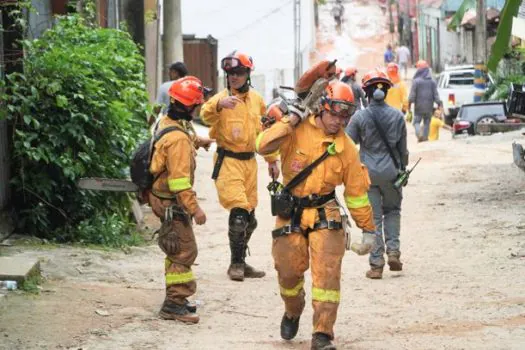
(392, 68)
(188, 91)
(235, 60)
(350, 71)
(375, 77)
(421, 64)
(338, 99)
(274, 113)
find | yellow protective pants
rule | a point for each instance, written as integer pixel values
(291, 254)
(237, 183)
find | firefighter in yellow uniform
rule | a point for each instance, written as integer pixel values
(397, 95)
(234, 116)
(314, 231)
(173, 199)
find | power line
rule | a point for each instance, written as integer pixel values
(273, 11)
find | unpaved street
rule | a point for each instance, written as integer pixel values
(463, 284)
(461, 288)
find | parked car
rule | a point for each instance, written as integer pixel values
(472, 114)
(455, 88)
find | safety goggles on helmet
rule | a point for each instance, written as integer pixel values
(340, 108)
(230, 63)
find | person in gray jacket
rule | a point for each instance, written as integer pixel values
(383, 169)
(423, 95)
(359, 94)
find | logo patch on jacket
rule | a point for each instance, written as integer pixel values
(297, 165)
(236, 132)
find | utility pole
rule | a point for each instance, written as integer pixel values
(297, 39)
(481, 50)
(151, 35)
(481, 31)
(172, 42)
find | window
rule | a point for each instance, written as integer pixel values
(461, 79)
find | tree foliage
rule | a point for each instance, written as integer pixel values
(77, 110)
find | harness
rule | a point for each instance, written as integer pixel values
(311, 201)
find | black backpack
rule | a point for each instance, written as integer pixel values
(141, 160)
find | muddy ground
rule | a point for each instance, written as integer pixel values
(463, 285)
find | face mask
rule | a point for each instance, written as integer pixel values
(177, 112)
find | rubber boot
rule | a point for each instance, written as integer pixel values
(394, 262)
(250, 271)
(375, 273)
(172, 311)
(321, 341)
(289, 327)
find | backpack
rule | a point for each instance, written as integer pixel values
(141, 160)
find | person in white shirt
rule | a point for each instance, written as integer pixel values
(403, 58)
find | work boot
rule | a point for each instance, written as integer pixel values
(172, 311)
(289, 327)
(191, 306)
(375, 273)
(321, 341)
(252, 272)
(394, 262)
(236, 271)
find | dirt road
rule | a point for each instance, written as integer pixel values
(463, 286)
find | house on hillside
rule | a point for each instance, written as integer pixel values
(439, 46)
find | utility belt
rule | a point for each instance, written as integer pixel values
(221, 153)
(176, 213)
(298, 205)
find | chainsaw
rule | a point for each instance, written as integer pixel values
(105, 184)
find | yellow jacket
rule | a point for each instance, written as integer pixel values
(397, 96)
(300, 146)
(236, 129)
(173, 164)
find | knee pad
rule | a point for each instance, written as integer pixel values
(239, 219)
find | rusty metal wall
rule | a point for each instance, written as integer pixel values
(200, 56)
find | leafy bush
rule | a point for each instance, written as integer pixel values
(78, 110)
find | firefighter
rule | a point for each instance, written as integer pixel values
(359, 94)
(381, 132)
(234, 116)
(313, 234)
(397, 95)
(173, 199)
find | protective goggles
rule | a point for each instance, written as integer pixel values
(232, 63)
(339, 108)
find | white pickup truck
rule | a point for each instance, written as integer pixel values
(456, 87)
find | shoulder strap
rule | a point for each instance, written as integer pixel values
(383, 137)
(157, 136)
(303, 174)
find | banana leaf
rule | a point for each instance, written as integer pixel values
(500, 46)
(458, 16)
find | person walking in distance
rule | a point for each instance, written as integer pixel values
(423, 95)
(397, 96)
(403, 58)
(381, 132)
(359, 95)
(313, 234)
(234, 116)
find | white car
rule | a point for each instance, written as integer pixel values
(455, 88)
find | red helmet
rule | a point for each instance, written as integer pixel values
(274, 113)
(237, 59)
(375, 77)
(188, 90)
(350, 71)
(421, 64)
(338, 99)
